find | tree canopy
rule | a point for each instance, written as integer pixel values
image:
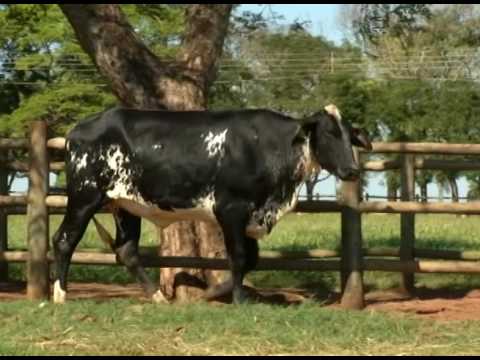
(408, 73)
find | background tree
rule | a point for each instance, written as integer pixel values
(421, 58)
(139, 78)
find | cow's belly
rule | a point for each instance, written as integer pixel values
(260, 224)
(163, 218)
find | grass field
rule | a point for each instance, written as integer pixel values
(130, 327)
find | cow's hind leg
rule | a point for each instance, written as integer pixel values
(126, 249)
(80, 210)
(233, 219)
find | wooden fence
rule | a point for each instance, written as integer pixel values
(351, 262)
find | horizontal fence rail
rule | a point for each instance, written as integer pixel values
(425, 164)
(265, 263)
(315, 254)
(351, 261)
(425, 148)
(393, 207)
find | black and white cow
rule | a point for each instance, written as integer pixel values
(239, 169)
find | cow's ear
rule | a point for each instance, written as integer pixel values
(359, 137)
(309, 124)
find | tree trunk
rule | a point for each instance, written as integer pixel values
(140, 79)
(453, 188)
(423, 192)
(391, 192)
(393, 184)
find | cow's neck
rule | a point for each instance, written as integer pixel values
(306, 164)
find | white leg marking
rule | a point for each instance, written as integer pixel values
(159, 298)
(59, 295)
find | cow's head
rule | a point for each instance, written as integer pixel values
(331, 140)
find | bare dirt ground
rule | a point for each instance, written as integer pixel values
(425, 303)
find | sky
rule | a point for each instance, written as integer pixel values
(323, 17)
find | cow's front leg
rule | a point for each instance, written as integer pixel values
(226, 287)
(233, 219)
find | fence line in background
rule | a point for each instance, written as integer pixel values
(352, 261)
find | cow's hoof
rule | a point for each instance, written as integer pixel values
(159, 298)
(240, 296)
(59, 295)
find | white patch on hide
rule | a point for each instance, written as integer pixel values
(125, 195)
(82, 162)
(216, 143)
(206, 202)
(272, 216)
(288, 205)
(87, 183)
(122, 187)
(307, 165)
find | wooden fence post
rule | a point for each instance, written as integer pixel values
(352, 258)
(3, 224)
(38, 284)
(407, 221)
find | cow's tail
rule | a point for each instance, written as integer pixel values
(104, 234)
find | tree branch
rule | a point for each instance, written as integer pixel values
(137, 76)
(207, 26)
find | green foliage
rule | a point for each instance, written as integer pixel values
(62, 106)
(425, 55)
(398, 20)
(160, 26)
(283, 68)
(45, 74)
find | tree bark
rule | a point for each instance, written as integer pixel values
(423, 192)
(453, 188)
(391, 192)
(139, 79)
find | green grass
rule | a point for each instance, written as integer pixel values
(129, 327)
